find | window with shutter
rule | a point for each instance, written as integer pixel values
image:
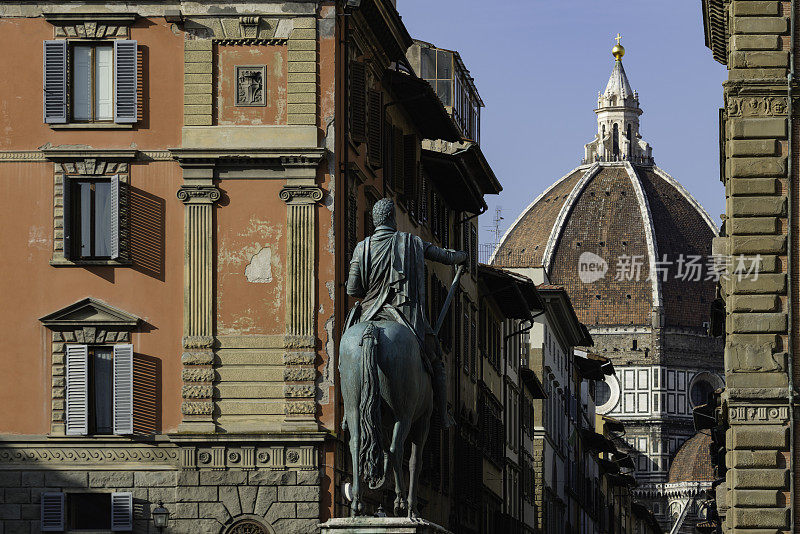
(55, 81)
(352, 217)
(375, 128)
(77, 412)
(121, 511)
(113, 222)
(388, 156)
(123, 389)
(410, 174)
(358, 101)
(422, 194)
(473, 249)
(92, 218)
(52, 512)
(397, 162)
(125, 81)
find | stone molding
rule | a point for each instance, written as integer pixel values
(198, 194)
(756, 106)
(758, 414)
(293, 194)
(95, 25)
(104, 456)
(248, 457)
(55, 155)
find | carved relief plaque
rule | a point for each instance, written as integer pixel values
(251, 85)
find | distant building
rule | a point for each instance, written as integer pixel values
(632, 249)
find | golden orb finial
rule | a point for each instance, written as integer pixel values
(618, 51)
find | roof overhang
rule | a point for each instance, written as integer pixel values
(597, 442)
(424, 108)
(563, 317)
(513, 293)
(388, 27)
(531, 381)
(453, 181)
(589, 369)
(614, 425)
(716, 37)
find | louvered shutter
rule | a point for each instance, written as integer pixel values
(121, 511)
(52, 517)
(77, 390)
(410, 171)
(125, 81)
(388, 155)
(55, 82)
(397, 161)
(123, 389)
(67, 219)
(358, 101)
(114, 217)
(375, 127)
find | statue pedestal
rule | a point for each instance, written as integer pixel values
(380, 525)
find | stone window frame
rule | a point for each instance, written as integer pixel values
(107, 325)
(91, 164)
(91, 27)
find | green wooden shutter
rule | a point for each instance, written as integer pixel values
(126, 64)
(52, 512)
(121, 511)
(55, 82)
(123, 389)
(77, 416)
(358, 101)
(375, 128)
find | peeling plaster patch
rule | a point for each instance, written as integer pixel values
(325, 378)
(326, 23)
(37, 237)
(331, 289)
(259, 270)
(280, 106)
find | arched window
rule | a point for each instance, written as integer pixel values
(630, 141)
(615, 141)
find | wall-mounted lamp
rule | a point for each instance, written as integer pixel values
(160, 517)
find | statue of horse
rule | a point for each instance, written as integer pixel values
(383, 360)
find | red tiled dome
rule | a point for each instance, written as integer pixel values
(692, 462)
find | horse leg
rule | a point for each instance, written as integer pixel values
(399, 434)
(418, 438)
(355, 437)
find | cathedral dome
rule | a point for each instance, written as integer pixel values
(603, 228)
(692, 462)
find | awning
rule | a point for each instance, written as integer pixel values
(424, 108)
(589, 369)
(531, 381)
(624, 461)
(597, 442)
(516, 295)
(614, 425)
(453, 181)
(622, 480)
(608, 466)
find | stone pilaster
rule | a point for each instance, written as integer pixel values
(198, 195)
(755, 173)
(197, 82)
(302, 84)
(299, 372)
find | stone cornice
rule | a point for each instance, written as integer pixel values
(309, 157)
(74, 154)
(116, 19)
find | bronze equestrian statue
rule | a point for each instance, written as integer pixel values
(389, 351)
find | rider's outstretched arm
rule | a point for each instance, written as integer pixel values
(444, 255)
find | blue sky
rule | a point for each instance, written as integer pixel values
(539, 64)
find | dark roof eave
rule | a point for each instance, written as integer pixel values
(455, 186)
(531, 381)
(475, 161)
(522, 294)
(388, 26)
(423, 106)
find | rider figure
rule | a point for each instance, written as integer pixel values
(388, 271)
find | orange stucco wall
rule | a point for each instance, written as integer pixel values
(251, 227)
(227, 57)
(161, 90)
(30, 287)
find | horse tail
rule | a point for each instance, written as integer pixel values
(370, 452)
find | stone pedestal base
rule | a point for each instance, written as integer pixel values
(380, 525)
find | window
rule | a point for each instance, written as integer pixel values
(99, 386)
(90, 82)
(86, 511)
(91, 218)
(437, 69)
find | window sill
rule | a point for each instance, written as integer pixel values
(91, 126)
(90, 263)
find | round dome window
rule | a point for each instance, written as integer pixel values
(606, 394)
(702, 387)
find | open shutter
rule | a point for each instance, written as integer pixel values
(125, 81)
(397, 161)
(67, 223)
(123, 389)
(55, 82)
(52, 512)
(375, 128)
(77, 390)
(121, 511)
(410, 171)
(114, 218)
(358, 101)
